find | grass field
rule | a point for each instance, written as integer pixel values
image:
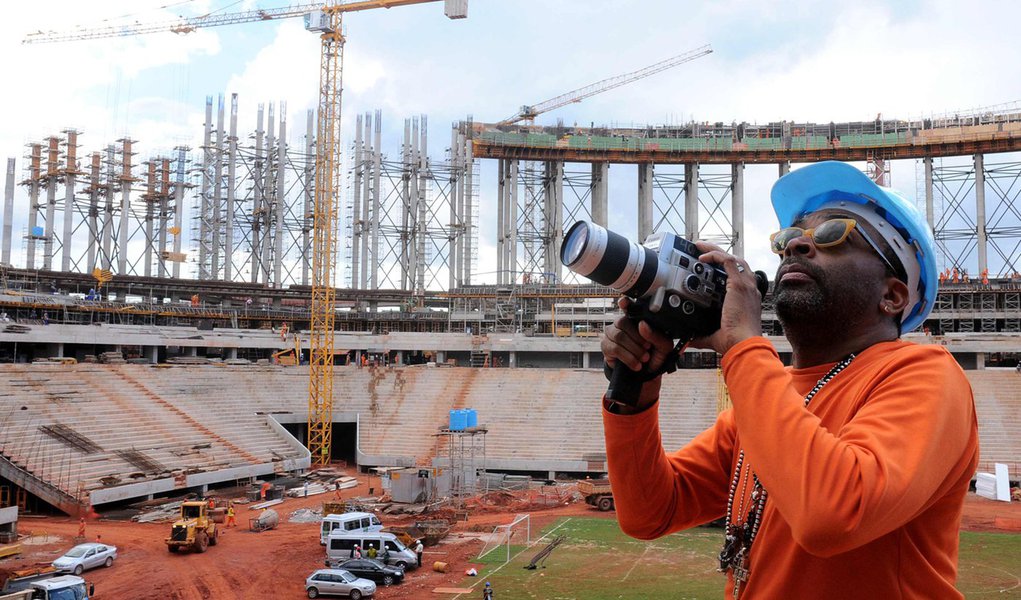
(598, 562)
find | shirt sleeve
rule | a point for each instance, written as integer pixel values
(910, 434)
(656, 493)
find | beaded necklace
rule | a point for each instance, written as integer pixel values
(737, 541)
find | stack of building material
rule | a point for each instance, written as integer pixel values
(111, 358)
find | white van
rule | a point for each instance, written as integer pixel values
(348, 522)
(340, 546)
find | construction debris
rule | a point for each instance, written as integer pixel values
(265, 504)
(165, 512)
(306, 515)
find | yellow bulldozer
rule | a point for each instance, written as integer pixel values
(195, 529)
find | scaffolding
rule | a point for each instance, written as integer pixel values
(466, 456)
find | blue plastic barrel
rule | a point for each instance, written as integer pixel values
(457, 420)
(473, 418)
(37, 232)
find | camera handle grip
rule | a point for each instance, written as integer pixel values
(626, 385)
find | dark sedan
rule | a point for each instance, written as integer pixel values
(368, 568)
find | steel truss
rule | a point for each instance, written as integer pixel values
(412, 222)
(252, 216)
(101, 215)
(976, 209)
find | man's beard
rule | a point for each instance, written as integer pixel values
(821, 307)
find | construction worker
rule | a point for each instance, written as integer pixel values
(418, 551)
(212, 503)
(81, 528)
(371, 552)
(487, 592)
(230, 516)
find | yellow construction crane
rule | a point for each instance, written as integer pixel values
(528, 112)
(325, 20)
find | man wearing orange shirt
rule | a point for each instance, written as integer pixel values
(843, 475)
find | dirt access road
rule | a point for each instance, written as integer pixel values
(274, 564)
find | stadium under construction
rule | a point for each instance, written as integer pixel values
(116, 317)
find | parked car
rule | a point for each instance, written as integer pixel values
(370, 568)
(86, 556)
(338, 582)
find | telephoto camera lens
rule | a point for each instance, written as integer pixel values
(610, 259)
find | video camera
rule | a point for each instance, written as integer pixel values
(669, 288)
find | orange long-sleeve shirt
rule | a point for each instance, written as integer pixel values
(866, 486)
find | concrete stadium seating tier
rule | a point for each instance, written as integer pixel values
(125, 431)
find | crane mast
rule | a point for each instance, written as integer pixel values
(324, 242)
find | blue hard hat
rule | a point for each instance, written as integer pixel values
(837, 185)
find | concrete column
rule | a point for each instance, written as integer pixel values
(599, 192)
(501, 199)
(278, 226)
(269, 191)
(309, 200)
(216, 210)
(584, 360)
(126, 179)
(52, 170)
(930, 212)
(93, 219)
(980, 213)
(553, 209)
(785, 167)
(5, 254)
(737, 208)
(152, 353)
(60, 349)
(512, 360)
(469, 199)
(228, 230)
(512, 225)
(358, 180)
(377, 201)
(408, 181)
(980, 360)
(257, 199)
(179, 186)
(70, 172)
(645, 173)
(149, 197)
(232, 353)
(441, 357)
(108, 209)
(455, 183)
(192, 351)
(35, 161)
(207, 140)
(691, 225)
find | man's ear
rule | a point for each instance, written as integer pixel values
(895, 297)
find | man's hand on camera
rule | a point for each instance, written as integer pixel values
(742, 307)
(640, 348)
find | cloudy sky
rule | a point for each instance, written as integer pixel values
(801, 60)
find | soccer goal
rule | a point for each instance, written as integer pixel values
(502, 535)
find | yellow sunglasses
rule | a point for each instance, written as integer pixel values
(829, 233)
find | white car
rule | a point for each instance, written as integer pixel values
(338, 582)
(86, 556)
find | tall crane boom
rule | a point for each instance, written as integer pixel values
(210, 20)
(529, 112)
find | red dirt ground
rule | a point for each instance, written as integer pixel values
(274, 564)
